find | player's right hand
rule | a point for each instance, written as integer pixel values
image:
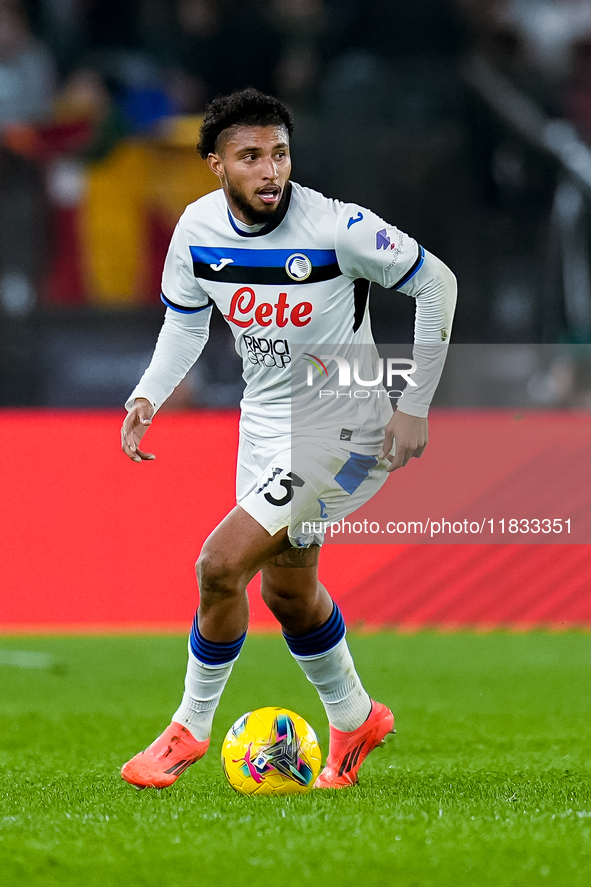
(136, 423)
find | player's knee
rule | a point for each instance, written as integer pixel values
(282, 599)
(284, 608)
(217, 575)
(269, 598)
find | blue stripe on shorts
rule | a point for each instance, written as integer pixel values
(354, 471)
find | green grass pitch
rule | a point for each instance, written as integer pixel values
(486, 783)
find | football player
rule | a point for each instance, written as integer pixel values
(286, 266)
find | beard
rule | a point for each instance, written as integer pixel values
(256, 216)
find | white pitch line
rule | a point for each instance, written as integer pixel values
(26, 659)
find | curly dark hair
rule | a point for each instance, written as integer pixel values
(249, 107)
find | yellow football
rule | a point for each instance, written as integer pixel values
(271, 751)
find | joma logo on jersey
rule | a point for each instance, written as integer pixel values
(244, 311)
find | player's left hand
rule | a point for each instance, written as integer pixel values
(136, 423)
(409, 434)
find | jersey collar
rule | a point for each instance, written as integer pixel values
(270, 226)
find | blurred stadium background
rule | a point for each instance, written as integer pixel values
(465, 122)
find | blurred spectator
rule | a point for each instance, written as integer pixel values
(303, 26)
(145, 105)
(112, 23)
(550, 30)
(577, 101)
(224, 45)
(85, 98)
(62, 24)
(26, 70)
(116, 194)
(536, 41)
(26, 87)
(187, 93)
(86, 107)
(409, 31)
(564, 377)
(494, 35)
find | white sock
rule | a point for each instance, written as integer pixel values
(346, 703)
(203, 688)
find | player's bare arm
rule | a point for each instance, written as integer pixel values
(409, 434)
(135, 425)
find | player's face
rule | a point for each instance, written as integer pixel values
(253, 166)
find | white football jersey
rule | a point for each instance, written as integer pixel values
(300, 282)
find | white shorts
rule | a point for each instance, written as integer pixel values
(305, 484)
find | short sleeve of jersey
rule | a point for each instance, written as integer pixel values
(180, 289)
(368, 247)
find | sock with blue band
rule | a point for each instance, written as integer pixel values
(209, 667)
(324, 657)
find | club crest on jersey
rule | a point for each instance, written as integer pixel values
(383, 240)
(298, 266)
